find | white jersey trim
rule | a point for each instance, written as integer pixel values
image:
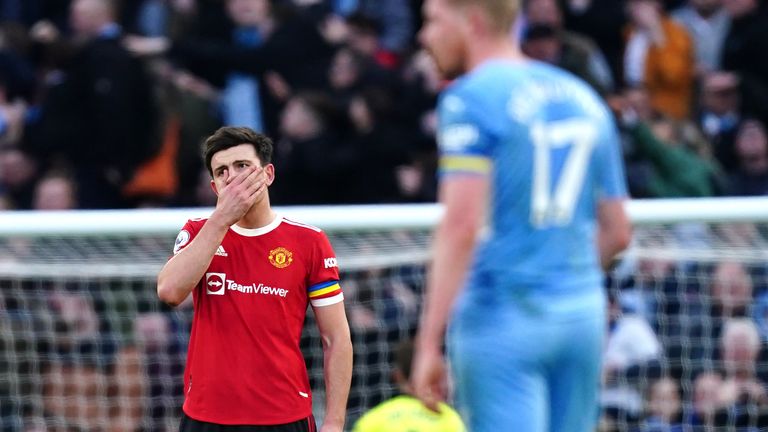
(253, 232)
(303, 225)
(328, 301)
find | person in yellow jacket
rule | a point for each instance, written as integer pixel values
(659, 55)
(405, 413)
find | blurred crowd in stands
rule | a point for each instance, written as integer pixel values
(686, 348)
(103, 104)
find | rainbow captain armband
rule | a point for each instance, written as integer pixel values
(450, 164)
(325, 293)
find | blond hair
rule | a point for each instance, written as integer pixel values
(501, 13)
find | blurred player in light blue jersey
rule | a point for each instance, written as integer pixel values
(532, 151)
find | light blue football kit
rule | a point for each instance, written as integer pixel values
(526, 334)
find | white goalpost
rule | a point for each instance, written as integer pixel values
(84, 342)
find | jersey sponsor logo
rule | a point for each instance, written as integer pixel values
(220, 251)
(280, 257)
(218, 284)
(181, 240)
(303, 394)
(255, 288)
(215, 283)
(456, 138)
(330, 262)
(453, 104)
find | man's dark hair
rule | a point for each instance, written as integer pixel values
(230, 136)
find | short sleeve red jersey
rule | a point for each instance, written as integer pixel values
(244, 365)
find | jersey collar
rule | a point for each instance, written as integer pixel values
(253, 232)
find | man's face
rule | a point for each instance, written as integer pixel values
(248, 13)
(752, 148)
(297, 118)
(544, 12)
(445, 36)
(86, 17)
(737, 8)
(55, 193)
(227, 164)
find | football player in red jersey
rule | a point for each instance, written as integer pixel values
(252, 273)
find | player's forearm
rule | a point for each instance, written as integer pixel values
(182, 272)
(453, 251)
(609, 248)
(611, 242)
(338, 377)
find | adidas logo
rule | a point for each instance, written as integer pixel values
(220, 251)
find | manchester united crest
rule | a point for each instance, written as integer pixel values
(280, 257)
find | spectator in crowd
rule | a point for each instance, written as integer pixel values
(159, 351)
(720, 114)
(240, 99)
(751, 148)
(659, 55)
(546, 40)
(632, 349)
(421, 83)
(603, 21)
(102, 114)
(664, 407)
(665, 158)
(731, 290)
(729, 295)
(130, 402)
(675, 168)
(157, 17)
(708, 400)
(17, 172)
(744, 53)
(364, 38)
(350, 72)
(743, 392)
(172, 176)
(74, 397)
(55, 191)
(395, 18)
(75, 371)
(286, 51)
(313, 161)
(707, 24)
(381, 145)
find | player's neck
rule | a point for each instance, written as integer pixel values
(496, 48)
(260, 215)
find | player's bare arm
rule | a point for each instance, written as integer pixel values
(614, 230)
(337, 361)
(183, 271)
(464, 200)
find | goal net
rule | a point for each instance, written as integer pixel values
(86, 345)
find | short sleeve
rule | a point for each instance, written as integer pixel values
(185, 236)
(323, 287)
(465, 145)
(610, 169)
